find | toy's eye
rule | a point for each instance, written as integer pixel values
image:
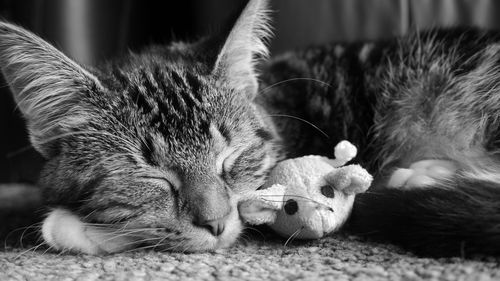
(328, 191)
(291, 207)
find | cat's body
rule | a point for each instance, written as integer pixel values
(399, 100)
(154, 150)
(427, 95)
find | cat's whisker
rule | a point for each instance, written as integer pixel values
(86, 132)
(303, 120)
(175, 247)
(142, 248)
(295, 196)
(86, 217)
(61, 252)
(256, 230)
(50, 248)
(147, 228)
(108, 226)
(291, 80)
(104, 225)
(43, 243)
(244, 239)
(34, 248)
(125, 234)
(38, 246)
(124, 227)
(35, 225)
(145, 247)
(22, 236)
(185, 246)
(287, 195)
(138, 242)
(295, 234)
(160, 241)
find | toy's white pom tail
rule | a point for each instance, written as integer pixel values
(345, 150)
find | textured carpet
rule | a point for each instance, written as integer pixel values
(259, 256)
(340, 257)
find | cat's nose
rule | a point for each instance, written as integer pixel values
(216, 227)
(209, 202)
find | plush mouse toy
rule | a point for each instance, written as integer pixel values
(307, 197)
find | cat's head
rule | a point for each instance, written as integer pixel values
(158, 143)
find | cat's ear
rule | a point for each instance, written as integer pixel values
(245, 42)
(45, 83)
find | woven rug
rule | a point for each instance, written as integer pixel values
(259, 255)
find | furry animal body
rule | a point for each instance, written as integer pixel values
(428, 101)
(152, 150)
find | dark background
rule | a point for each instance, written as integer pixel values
(88, 31)
(93, 30)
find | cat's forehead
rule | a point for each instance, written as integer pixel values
(160, 71)
(171, 100)
(177, 103)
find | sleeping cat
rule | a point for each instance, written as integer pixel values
(153, 150)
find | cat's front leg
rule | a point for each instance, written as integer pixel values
(422, 173)
(64, 231)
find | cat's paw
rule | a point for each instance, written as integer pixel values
(422, 173)
(64, 231)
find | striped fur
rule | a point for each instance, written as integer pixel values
(151, 147)
(428, 95)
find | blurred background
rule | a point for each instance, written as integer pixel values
(91, 31)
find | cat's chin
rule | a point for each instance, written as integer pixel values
(64, 231)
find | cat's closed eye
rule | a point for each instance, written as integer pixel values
(142, 144)
(163, 182)
(225, 160)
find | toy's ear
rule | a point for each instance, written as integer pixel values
(257, 211)
(262, 206)
(352, 179)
